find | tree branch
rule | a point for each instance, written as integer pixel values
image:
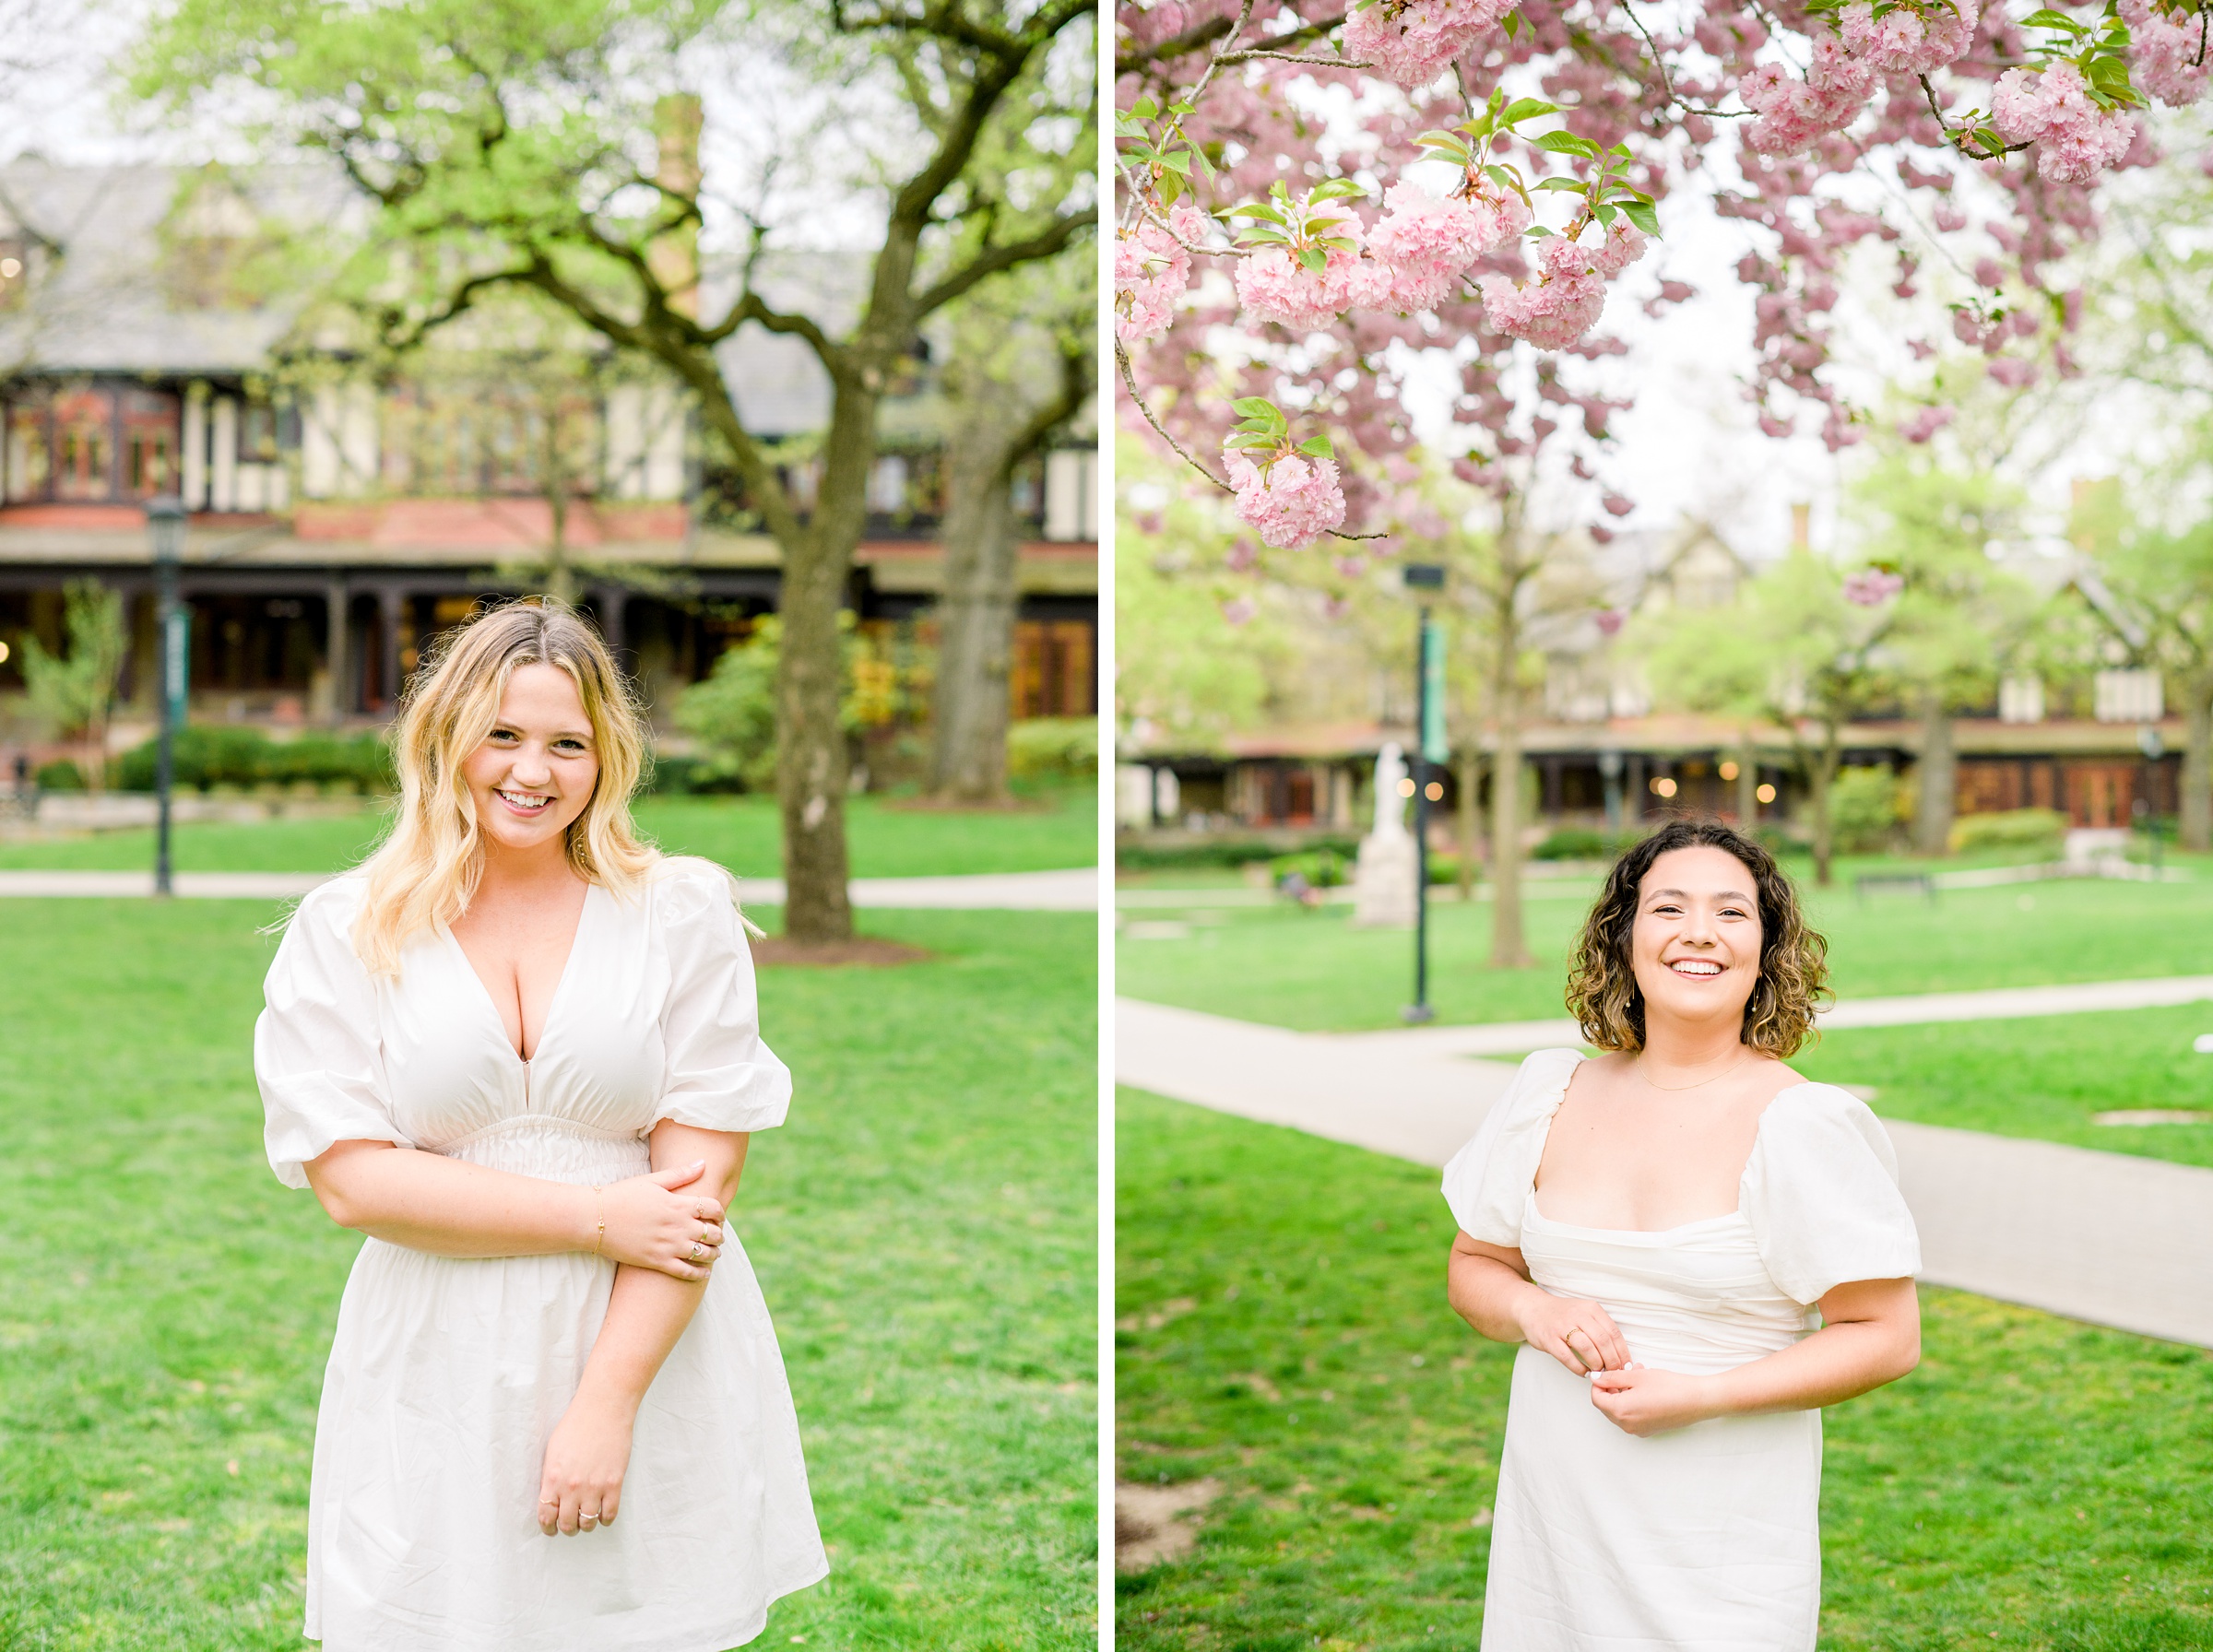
(992, 261)
(1190, 40)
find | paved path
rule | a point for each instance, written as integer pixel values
(1076, 890)
(2106, 1238)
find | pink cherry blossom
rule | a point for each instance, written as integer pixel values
(1564, 301)
(1276, 285)
(2013, 373)
(1910, 41)
(1239, 610)
(1414, 41)
(2074, 139)
(1288, 502)
(2168, 56)
(1871, 587)
(1151, 271)
(1420, 248)
(1797, 114)
(1922, 423)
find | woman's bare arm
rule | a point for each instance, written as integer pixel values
(1870, 1335)
(590, 1450)
(1488, 1286)
(449, 1208)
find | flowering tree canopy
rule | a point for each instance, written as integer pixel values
(1313, 195)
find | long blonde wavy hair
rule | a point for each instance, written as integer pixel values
(424, 874)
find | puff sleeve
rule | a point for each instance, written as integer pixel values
(719, 1076)
(1821, 1192)
(317, 1056)
(1488, 1181)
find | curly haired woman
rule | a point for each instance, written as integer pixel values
(1696, 1249)
(518, 1050)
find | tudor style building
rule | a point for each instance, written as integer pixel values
(333, 527)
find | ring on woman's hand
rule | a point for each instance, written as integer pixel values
(694, 1257)
(586, 1519)
(709, 1235)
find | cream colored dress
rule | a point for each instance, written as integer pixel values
(447, 1375)
(1704, 1539)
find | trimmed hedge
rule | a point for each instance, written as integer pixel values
(210, 755)
(2008, 828)
(1053, 748)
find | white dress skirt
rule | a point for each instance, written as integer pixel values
(447, 1375)
(1705, 1538)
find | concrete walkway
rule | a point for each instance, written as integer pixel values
(1076, 890)
(2105, 1237)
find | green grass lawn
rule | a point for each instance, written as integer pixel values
(886, 840)
(1291, 967)
(2037, 1483)
(924, 1229)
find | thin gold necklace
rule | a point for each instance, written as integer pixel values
(1696, 1083)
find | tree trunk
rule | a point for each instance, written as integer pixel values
(1820, 772)
(1940, 778)
(2195, 824)
(1509, 946)
(976, 621)
(1747, 781)
(810, 737)
(1467, 775)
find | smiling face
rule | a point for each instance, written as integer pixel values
(1694, 946)
(534, 772)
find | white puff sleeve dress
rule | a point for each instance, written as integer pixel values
(447, 1375)
(1705, 1538)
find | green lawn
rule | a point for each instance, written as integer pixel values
(1291, 967)
(887, 841)
(2035, 1484)
(924, 1229)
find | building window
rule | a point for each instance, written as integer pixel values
(150, 422)
(27, 469)
(258, 434)
(84, 427)
(1071, 480)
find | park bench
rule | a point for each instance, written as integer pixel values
(1895, 883)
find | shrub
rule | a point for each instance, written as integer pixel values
(2008, 828)
(1053, 748)
(60, 775)
(240, 755)
(1322, 869)
(1220, 849)
(1863, 809)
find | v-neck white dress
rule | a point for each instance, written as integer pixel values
(1704, 1539)
(446, 1374)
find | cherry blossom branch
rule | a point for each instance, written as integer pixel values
(1666, 84)
(1121, 358)
(1190, 40)
(1317, 63)
(1959, 140)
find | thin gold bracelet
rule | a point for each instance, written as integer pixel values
(599, 1210)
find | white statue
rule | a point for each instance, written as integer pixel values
(1385, 875)
(1390, 801)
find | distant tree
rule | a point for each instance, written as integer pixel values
(1800, 649)
(74, 693)
(554, 148)
(1022, 366)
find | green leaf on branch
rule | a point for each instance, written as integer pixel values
(1146, 109)
(1338, 189)
(1317, 447)
(1511, 23)
(1314, 258)
(1572, 186)
(1566, 143)
(1525, 109)
(1643, 214)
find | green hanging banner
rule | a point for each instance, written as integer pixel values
(177, 671)
(1434, 750)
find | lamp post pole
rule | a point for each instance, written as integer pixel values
(2153, 748)
(1428, 750)
(165, 518)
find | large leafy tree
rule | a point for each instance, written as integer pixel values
(547, 144)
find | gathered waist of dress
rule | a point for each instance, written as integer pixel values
(559, 1150)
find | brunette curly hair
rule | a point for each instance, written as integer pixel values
(1793, 960)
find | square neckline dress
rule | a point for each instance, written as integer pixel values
(446, 1374)
(1705, 1538)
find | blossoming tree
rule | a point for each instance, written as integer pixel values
(1314, 196)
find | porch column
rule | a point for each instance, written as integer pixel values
(392, 604)
(613, 604)
(337, 599)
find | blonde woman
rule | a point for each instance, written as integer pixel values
(1696, 1249)
(517, 1048)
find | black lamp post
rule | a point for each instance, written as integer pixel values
(2153, 748)
(1428, 748)
(165, 518)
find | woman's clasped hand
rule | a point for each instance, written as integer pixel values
(1580, 1335)
(651, 1222)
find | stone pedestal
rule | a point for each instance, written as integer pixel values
(1383, 881)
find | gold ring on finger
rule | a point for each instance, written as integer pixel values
(694, 1257)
